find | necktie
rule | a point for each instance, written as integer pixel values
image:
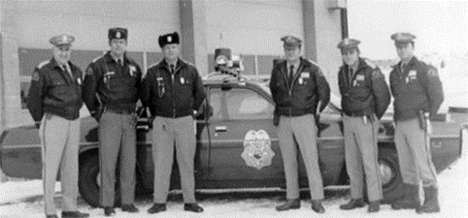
(403, 65)
(172, 68)
(119, 61)
(350, 75)
(66, 68)
(291, 73)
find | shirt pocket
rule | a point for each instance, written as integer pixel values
(59, 87)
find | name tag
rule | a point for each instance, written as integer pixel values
(360, 77)
(305, 75)
(109, 73)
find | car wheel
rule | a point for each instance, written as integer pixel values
(392, 183)
(89, 181)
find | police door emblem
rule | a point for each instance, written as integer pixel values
(257, 149)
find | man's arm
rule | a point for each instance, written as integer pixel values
(380, 92)
(35, 96)
(90, 97)
(323, 91)
(198, 91)
(434, 89)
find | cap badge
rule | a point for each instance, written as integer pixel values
(346, 41)
(169, 39)
(64, 38)
(117, 35)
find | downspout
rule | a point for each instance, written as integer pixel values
(344, 23)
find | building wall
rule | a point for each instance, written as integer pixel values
(28, 25)
(252, 28)
(328, 35)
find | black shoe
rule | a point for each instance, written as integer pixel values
(74, 214)
(130, 208)
(156, 208)
(109, 211)
(410, 199)
(52, 216)
(431, 201)
(374, 206)
(289, 204)
(317, 206)
(193, 207)
(353, 204)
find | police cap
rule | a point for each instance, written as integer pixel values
(402, 38)
(347, 43)
(118, 33)
(62, 39)
(170, 38)
(290, 41)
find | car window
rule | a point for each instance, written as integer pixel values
(239, 103)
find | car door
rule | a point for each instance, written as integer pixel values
(244, 149)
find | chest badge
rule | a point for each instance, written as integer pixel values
(78, 81)
(182, 80)
(257, 149)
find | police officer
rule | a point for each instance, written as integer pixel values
(418, 95)
(173, 90)
(300, 91)
(111, 90)
(364, 98)
(54, 101)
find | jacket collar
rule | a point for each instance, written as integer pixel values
(54, 64)
(411, 62)
(180, 64)
(110, 59)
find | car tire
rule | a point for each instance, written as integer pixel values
(392, 182)
(88, 182)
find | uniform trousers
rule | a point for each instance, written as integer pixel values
(59, 145)
(361, 152)
(304, 130)
(117, 141)
(414, 154)
(170, 133)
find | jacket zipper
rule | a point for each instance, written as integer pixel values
(291, 85)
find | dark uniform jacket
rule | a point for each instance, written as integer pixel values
(300, 97)
(417, 88)
(172, 95)
(111, 85)
(365, 93)
(54, 91)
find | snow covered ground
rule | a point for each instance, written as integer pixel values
(23, 199)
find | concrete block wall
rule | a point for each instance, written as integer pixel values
(251, 27)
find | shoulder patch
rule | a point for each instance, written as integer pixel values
(376, 73)
(370, 63)
(42, 64)
(432, 72)
(35, 76)
(89, 71)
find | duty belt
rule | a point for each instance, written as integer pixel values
(120, 110)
